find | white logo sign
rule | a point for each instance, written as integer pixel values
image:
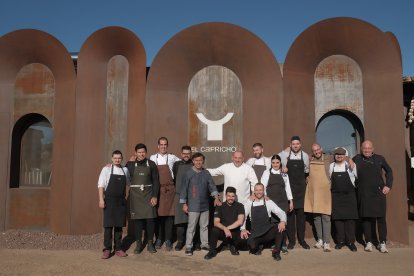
(214, 128)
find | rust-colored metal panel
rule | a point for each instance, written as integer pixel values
(29, 208)
(223, 45)
(379, 59)
(18, 49)
(92, 101)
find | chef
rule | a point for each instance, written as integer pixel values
(297, 163)
(166, 206)
(112, 186)
(372, 193)
(344, 203)
(143, 196)
(258, 162)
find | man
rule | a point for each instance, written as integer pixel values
(112, 186)
(166, 206)
(372, 193)
(143, 196)
(196, 188)
(238, 175)
(227, 221)
(262, 230)
(318, 197)
(297, 163)
(259, 162)
(181, 219)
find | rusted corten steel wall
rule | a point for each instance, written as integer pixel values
(378, 55)
(209, 44)
(91, 132)
(18, 49)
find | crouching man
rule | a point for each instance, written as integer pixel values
(227, 221)
(262, 230)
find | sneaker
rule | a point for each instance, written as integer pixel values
(139, 248)
(106, 254)
(382, 248)
(151, 248)
(284, 250)
(368, 247)
(339, 245)
(304, 245)
(210, 255)
(158, 244)
(197, 247)
(234, 251)
(188, 252)
(168, 245)
(352, 247)
(318, 244)
(179, 245)
(291, 246)
(205, 248)
(326, 247)
(121, 253)
(276, 256)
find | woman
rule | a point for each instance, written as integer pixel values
(277, 188)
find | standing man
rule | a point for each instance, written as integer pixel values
(372, 193)
(238, 175)
(112, 186)
(143, 196)
(262, 230)
(259, 162)
(181, 219)
(196, 188)
(318, 199)
(297, 163)
(166, 206)
(227, 221)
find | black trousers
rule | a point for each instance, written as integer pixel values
(181, 231)
(149, 230)
(272, 235)
(370, 229)
(296, 223)
(345, 230)
(218, 234)
(165, 228)
(108, 238)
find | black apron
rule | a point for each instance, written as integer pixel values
(140, 194)
(372, 202)
(344, 202)
(115, 203)
(260, 221)
(275, 190)
(296, 172)
(259, 169)
(180, 216)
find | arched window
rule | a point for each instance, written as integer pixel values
(31, 158)
(340, 128)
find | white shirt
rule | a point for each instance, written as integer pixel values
(270, 206)
(341, 168)
(265, 181)
(295, 156)
(243, 178)
(265, 161)
(106, 174)
(162, 160)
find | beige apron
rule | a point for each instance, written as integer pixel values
(318, 191)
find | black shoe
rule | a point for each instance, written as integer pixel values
(210, 255)
(188, 252)
(352, 247)
(257, 251)
(304, 245)
(276, 256)
(138, 248)
(339, 245)
(151, 248)
(291, 246)
(234, 251)
(205, 248)
(197, 247)
(179, 246)
(158, 244)
(284, 250)
(168, 245)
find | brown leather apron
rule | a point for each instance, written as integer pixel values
(318, 197)
(166, 206)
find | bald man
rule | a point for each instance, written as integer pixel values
(372, 193)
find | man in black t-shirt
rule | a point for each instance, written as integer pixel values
(227, 221)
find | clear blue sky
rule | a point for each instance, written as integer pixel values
(278, 23)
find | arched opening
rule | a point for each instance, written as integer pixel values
(31, 156)
(340, 128)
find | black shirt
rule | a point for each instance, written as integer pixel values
(228, 213)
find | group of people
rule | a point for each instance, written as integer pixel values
(265, 201)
